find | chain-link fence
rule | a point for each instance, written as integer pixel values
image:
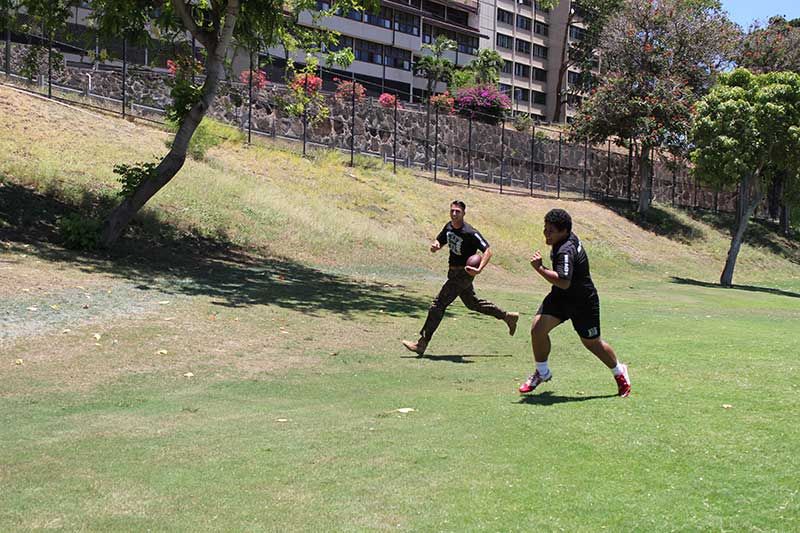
(473, 148)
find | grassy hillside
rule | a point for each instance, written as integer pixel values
(361, 220)
(235, 363)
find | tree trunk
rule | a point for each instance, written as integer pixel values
(775, 197)
(644, 180)
(217, 47)
(785, 220)
(746, 207)
(562, 72)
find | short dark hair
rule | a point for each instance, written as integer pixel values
(559, 218)
(460, 204)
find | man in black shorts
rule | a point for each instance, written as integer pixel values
(573, 297)
(464, 241)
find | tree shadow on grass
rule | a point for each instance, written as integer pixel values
(548, 398)
(752, 288)
(760, 233)
(658, 221)
(158, 256)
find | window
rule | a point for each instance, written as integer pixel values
(508, 67)
(525, 2)
(576, 33)
(406, 23)
(382, 18)
(539, 98)
(323, 5)
(523, 47)
(539, 74)
(427, 33)
(521, 95)
(539, 51)
(369, 52)
(573, 78)
(523, 71)
(397, 58)
(344, 42)
(504, 41)
(595, 62)
(468, 44)
(457, 16)
(541, 28)
(354, 15)
(434, 8)
(541, 9)
(506, 17)
(573, 100)
(504, 88)
(523, 22)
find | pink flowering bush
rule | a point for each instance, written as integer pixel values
(259, 78)
(345, 88)
(388, 100)
(444, 102)
(482, 102)
(306, 82)
(183, 67)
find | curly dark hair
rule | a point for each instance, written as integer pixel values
(559, 218)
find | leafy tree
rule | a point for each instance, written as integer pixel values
(218, 25)
(660, 55)
(774, 48)
(581, 53)
(487, 66)
(747, 131)
(435, 67)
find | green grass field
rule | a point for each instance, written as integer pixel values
(235, 364)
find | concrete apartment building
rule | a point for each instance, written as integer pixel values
(530, 39)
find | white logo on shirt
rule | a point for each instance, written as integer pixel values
(566, 265)
(455, 242)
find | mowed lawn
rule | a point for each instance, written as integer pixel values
(236, 363)
(290, 420)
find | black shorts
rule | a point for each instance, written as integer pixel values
(585, 318)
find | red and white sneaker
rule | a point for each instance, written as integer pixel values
(534, 381)
(623, 382)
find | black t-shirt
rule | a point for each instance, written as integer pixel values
(464, 242)
(571, 262)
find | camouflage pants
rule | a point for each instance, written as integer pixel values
(458, 285)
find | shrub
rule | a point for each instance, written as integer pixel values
(388, 100)
(444, 102)
(483, 102)
(307, 83)
(80, 233)
(523, 123)
(259, 78)
(346, 88)
(131, 176)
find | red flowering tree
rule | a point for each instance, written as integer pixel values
(259, 78)
(346, 88)
(660, 55)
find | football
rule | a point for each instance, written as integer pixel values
(474, 261)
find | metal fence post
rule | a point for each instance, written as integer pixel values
(250, 101)
(305, 112)
(533, 157)
(502, 151)
(8, 41)
(124, 74)
(674, 171)
(558, 171)
(469, 152)
(394, 137)
(353, 123)
(49, 63)
(436, 146)
(630, 170)
(585, 162)
(608, 171)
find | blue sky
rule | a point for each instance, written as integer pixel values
(743, 12)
